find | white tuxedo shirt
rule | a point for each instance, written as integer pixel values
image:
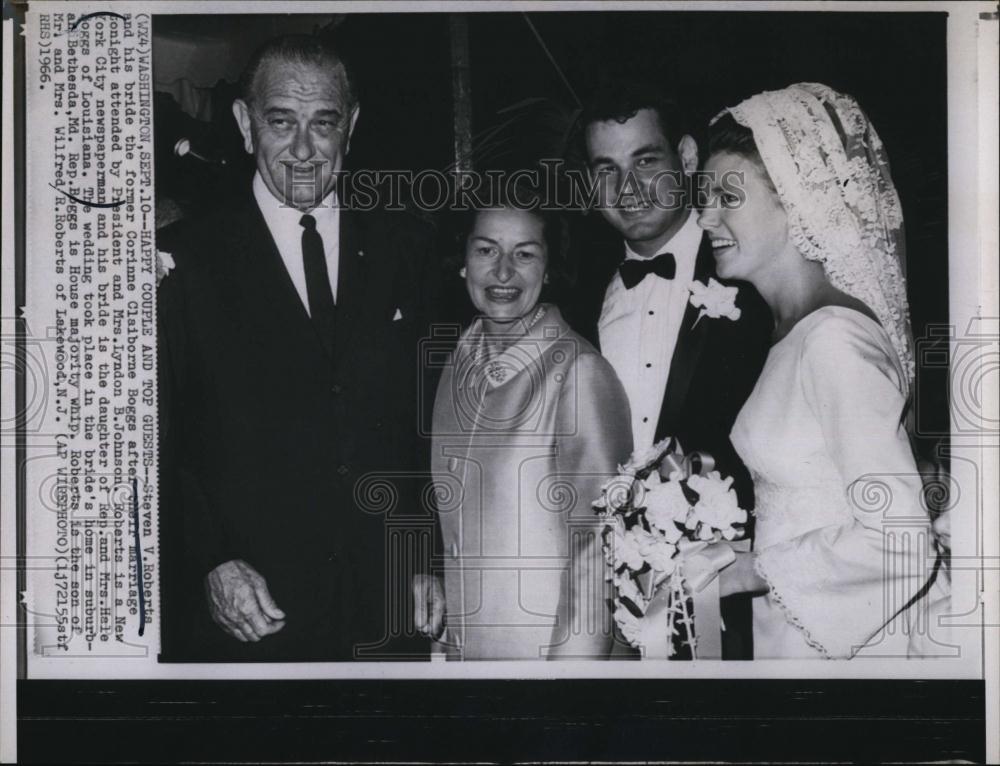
(283, 223)
(638, 329)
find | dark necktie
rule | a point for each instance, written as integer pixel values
(634, 270)
(321, 306)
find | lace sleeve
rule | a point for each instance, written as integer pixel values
(841, 584)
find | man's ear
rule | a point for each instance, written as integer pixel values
(242, 114)
(350, 126)
(687, 150)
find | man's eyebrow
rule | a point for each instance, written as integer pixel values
(649, 149)
(277, 111)
(644, 149)
(599, 159)
(484, 239)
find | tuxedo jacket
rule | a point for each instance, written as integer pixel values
(714, 368)
(278, 451)
(715, 365)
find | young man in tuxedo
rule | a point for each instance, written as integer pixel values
(289, 333)
(684, 377)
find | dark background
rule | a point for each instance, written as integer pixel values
(502, 721)
(895, 64)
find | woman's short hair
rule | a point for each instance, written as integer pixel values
(555, 231)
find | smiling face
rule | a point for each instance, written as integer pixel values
(640, 178)
(744, 219)
(297, 127)
(505, 262)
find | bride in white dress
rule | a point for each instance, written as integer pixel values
(844, 559)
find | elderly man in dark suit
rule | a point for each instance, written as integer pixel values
(686, 376)
(288, 353)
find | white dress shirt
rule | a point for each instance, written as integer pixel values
(639, 328)
(283, 223)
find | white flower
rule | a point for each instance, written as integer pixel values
(714, 299)
(659, 553)
(652, 481)
(626, 548)
(665, 505)
(627, 588)
(644, 458)
(717, 506)
(630, 625)
(164, 265)
(639, 631)
(618, 493)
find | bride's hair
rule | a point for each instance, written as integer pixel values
(728, 136)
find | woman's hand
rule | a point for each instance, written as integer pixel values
(428, 605)
(741, 577)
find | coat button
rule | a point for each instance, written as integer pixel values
(336, 389)
(454, 550)
(342, 469)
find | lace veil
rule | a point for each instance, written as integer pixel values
(832, 175)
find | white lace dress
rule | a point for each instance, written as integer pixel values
(842, 538)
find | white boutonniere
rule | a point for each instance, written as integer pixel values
(164, 265)
(714, 299)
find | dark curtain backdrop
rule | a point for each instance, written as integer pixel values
(895, 64)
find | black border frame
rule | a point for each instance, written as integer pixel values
(501, 721)
(487, 720)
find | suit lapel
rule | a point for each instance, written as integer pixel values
(271, 306)
(690, 344)
(352, 270)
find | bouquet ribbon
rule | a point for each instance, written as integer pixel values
(700, 564)
(676, 462)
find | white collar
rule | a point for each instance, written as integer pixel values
(285, 218)
(524, 352)
(684, 244)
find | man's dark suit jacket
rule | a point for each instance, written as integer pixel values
(715, 366)
(267, 439)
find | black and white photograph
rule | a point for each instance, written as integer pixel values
(377, 370)
(291, 461)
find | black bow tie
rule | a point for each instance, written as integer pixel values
(634, 270)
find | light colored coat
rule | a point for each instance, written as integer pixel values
(521, 446)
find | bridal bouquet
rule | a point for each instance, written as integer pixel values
(663, 514)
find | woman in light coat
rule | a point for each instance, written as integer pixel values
(529, 422)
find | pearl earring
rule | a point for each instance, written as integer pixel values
(461, 272)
